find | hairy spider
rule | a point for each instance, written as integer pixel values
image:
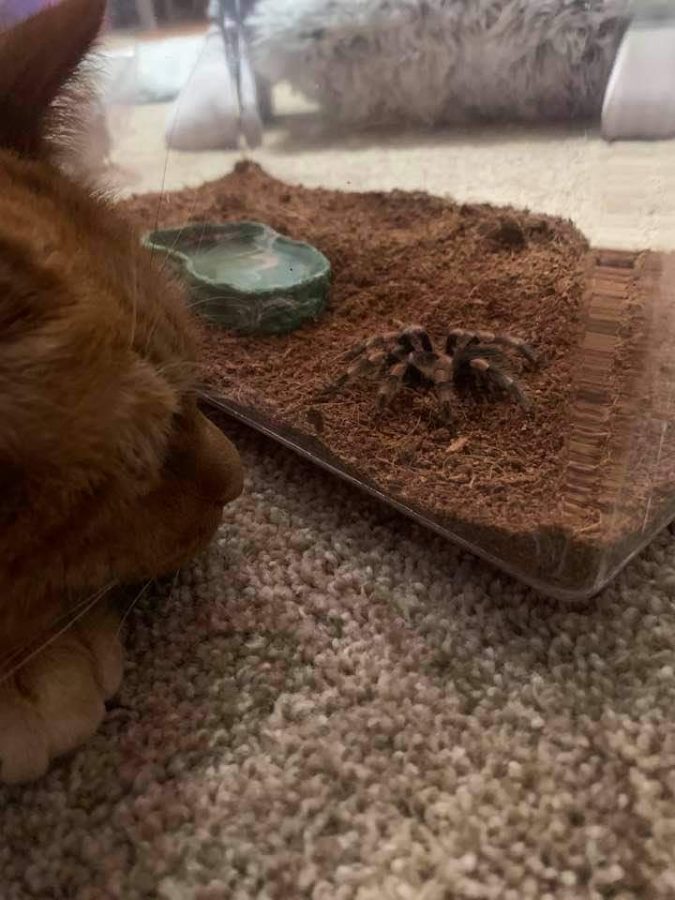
(471, 362)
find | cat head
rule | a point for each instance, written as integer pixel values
(108, 471)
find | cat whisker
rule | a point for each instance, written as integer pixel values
(132, 604)
(167, 257)
(69, 615)
(179, 234)
(170, 136)
(190, 368)
(65, 616)
(174, 580)
(134, 308)
(162, 267)
(75, 615)
(195, 304)
(169, 250)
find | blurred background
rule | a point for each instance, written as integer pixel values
(561, 106)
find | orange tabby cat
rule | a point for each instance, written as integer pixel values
(108, 472)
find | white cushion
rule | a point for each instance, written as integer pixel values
(640, 98)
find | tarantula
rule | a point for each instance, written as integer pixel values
(471, 362)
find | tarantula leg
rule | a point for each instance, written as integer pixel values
(379, 341)
(442, 379)
(461, 335)
(444, 395)
(363, 366)
(392, 384)
(414, 338)
(492, 376)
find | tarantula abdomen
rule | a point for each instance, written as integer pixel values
(485, 374)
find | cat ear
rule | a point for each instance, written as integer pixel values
(37, 58)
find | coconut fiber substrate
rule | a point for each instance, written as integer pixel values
(334, 704)
(543, 492)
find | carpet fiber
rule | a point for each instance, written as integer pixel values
(331, 703)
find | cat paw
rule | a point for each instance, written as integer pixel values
(56, 700)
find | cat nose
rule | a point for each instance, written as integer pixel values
(221, 474)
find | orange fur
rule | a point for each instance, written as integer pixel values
(108, 472)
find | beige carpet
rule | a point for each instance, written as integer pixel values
(333, 704)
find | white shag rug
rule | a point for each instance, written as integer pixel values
(333, 704)
(442, 61)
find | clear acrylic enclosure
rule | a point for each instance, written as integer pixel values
(499, 174)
